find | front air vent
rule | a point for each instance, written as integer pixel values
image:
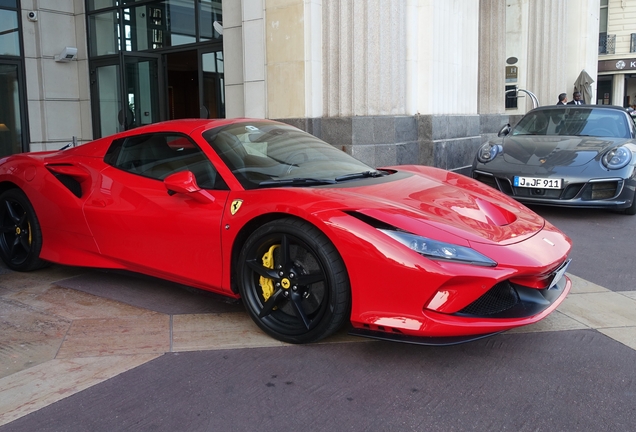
(499, 298)
(603, 190)
(375, 223)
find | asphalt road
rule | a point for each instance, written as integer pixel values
(560, 381)
(575, 380)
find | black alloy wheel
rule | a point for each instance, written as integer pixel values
(20, 234)
(293, 282)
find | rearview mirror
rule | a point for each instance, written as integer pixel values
(184, 182)
(504, 131)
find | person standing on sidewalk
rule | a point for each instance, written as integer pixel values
(563, 99)
(576, 99)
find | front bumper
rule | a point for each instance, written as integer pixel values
(614, 192)
(531, 305)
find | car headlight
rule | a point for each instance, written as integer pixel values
(488, 152)
(437, 250)
(617, 158)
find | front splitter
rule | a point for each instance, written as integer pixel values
(419, 340)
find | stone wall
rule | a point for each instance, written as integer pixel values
(443, 141)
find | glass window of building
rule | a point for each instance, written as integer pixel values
(154, 60)
(13, 125)
(603, 39)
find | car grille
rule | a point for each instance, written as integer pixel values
(584, 191)
(601, 190)
(500, 184)
(571, 191)
(485, 179)
(538, 193)
(499, 298)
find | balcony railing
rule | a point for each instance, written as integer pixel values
(606, 43)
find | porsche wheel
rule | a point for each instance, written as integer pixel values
(20, 234)
(293, 282)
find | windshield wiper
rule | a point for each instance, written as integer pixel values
(359, 175)
(296, 182)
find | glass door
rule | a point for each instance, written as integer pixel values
(142, 97)
(212, 85)
(125, 97)
(12, 121)
(195, 85)
(106, 90)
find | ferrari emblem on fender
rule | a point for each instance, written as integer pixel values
(236, 205)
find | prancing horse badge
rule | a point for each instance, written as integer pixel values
(236, 205)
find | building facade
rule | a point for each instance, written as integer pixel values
(617, 53)
(388, 81)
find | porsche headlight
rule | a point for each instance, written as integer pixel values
(437, 250)
(488, 152)
(617, 158)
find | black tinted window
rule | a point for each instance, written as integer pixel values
(258, 152)
(159, 155)
(575, 122)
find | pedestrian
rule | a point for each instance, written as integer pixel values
(563, 99)
(576, 99)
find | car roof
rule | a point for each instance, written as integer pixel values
(186, 125)
(579, 107)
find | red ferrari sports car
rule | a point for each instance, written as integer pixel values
(307, 236)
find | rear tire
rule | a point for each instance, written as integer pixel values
(20, 233)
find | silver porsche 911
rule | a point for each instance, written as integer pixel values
(567, 155)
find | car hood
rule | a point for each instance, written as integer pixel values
(427, 201)
(550, 151)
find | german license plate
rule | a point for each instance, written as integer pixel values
(537, 182)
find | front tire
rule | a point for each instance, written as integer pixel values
(20, 233)
(293, 282)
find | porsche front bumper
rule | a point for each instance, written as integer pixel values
(613, 192)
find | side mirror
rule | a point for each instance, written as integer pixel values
(184, 182)
(505, 130)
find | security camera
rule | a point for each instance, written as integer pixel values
(32, 16)
(67, 54)
(218, 26)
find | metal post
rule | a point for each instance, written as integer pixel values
(533, 97)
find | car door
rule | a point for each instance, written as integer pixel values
(135, 221)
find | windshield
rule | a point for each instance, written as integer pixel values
(265, 154)
(574, 122)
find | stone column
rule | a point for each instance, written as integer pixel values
(492, 53)
(547, 55)
(364, 52)
(618, 89)
(492, 67)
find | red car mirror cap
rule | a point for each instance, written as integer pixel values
(184, 182)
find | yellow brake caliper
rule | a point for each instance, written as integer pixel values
(267, 285)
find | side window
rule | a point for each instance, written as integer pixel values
(158, 155)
